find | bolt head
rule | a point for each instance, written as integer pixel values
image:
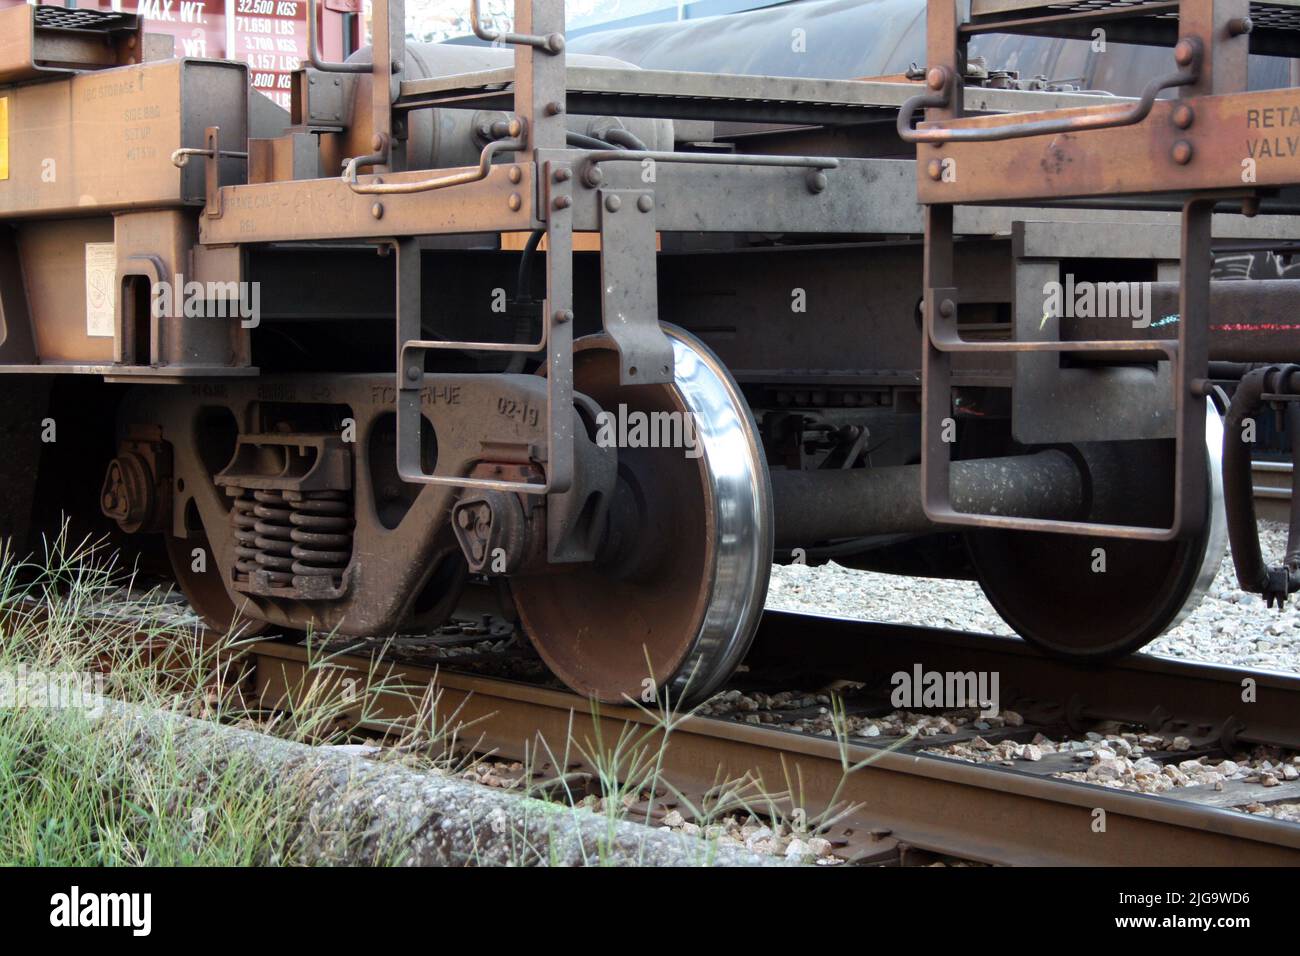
(562, 174)
(554, 108)
(1182, 152)
(1183, 116)
(563, 315)
(817, 181)
(516, 174)
(934, 169)
(1185, 51)
(946, 308)
(514, 202)
(563, 202)
(613, 203)
(645, 203)
(377, 210)
(936, 77)
(413, 373)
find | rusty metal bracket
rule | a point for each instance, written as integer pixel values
(539, 106)
(629, 286)
(1210, 116)
(1188, 356)
(556, 342)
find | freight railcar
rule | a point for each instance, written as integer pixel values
(611, 336)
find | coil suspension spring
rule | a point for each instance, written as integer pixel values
(296, 538)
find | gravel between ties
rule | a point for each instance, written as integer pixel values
(1229, 627)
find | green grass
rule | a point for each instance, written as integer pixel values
(70, 796)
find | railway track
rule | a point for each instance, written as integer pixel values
(910, 803)
(1272, 482)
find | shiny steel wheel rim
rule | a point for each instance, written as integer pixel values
(742, 489)
(680, 625)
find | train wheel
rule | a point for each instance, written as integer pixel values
(673, 600)
(1049, 588)
(204, 590)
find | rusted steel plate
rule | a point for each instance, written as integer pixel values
(1236, 141)
(103, 141)
(314, 209)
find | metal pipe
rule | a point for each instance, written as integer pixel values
(825, 505)
(1246, 325)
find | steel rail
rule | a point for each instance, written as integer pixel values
(1272, 483)
(906, 799)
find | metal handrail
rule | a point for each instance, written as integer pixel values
(1188, 72)
(552, 43)
(474, 175)
(180, 157)
(591, 175)
(313, 54)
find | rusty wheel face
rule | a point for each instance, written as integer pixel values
(671, 604)
(205, 591)
(1047, 588)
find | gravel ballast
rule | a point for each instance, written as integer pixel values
(1230, 626)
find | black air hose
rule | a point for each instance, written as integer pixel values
(524, 297)
(1238, 491)
(586, 142)
(625, 138)
(524, 277)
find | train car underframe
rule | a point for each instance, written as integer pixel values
(847, 372)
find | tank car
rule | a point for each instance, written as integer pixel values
(608, 337)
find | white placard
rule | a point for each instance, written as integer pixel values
(101, 291)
